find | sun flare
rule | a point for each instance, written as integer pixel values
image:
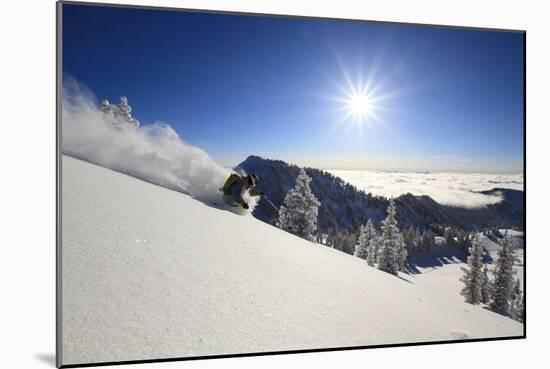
(360, 105)
(363, 96)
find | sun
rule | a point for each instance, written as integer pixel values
(360, 103)
(360, 106)
(363, 96)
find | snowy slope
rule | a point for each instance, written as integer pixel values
(152, 273)
(445, 280)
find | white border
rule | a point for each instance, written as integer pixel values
(28, 181)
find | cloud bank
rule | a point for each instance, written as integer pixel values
(455, 189)
(154, 152)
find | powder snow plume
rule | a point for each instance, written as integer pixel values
(154, 153)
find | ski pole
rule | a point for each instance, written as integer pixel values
(270, 203)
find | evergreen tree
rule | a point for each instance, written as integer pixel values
(485, 286)
(319, 238)
(330, 237)
(349, 242)
(519, 309)
(418, 239)
(516, 302)
(473, 277)
(372, 250)
(408, 237)
(401, 252)
(428, 240)
(391, 242)
(449, 236)
(516, 290)
(298, 214)
(467, 243)
(338, 242)
(459, 238)
(365, 236)
(360, 248)
(504, 277)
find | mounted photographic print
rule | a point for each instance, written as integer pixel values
(241, 184)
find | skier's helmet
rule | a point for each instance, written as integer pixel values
(253, 179)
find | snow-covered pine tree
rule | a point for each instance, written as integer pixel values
(330, 237)
(410, 241)
(450, 236)
(344, 241)
(516, 302)
(401, 252)
(372, 249)
(485, 286)
(504, 277)
(365, 235)
(520, 309)
(516, 290)
(418, 240)
(350, 240)
(473, 277)
(391, 243)
(320, 238)
(360, 248)
(467, 243)
(428, 240)
(298, 214)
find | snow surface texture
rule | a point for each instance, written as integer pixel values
(154, 153)
(151, 273)
(456, 189)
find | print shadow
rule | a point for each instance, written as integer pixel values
(46, 358)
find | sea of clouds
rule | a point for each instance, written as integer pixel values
(153, 152)
(455, 189)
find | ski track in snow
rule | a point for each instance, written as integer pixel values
(152, 273)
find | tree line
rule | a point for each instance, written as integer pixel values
(501, 293)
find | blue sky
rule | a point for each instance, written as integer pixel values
(446, 99)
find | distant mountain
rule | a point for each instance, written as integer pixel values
(509, 213)
(344, 207)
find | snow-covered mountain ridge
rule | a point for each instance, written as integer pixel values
(345, 207)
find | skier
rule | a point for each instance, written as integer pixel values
(236, 185)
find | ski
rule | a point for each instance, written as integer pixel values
(232, 205)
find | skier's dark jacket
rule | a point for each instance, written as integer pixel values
(235, 187)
